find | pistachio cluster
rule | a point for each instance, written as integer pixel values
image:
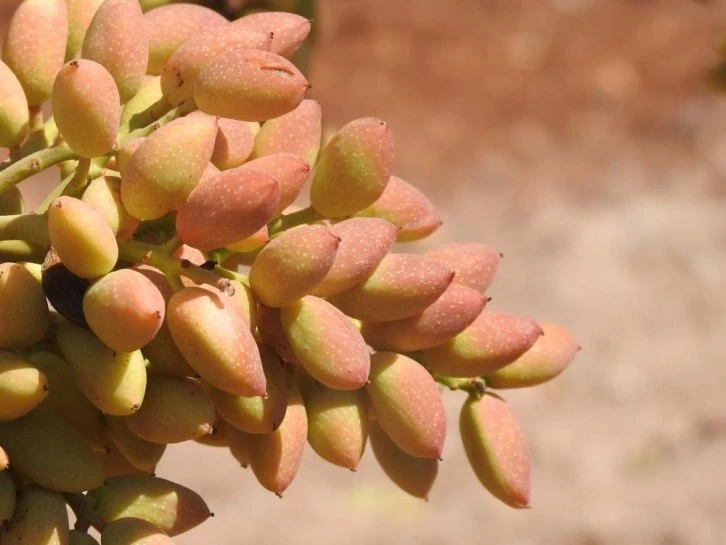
(170, 289)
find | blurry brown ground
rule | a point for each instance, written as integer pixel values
(577, 136)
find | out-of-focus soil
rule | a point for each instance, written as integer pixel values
(578, 137)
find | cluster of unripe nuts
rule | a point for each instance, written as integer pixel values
(172, 287)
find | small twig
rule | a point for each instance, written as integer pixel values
(32, 164)
(86, 516)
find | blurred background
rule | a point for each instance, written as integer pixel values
(579, 137)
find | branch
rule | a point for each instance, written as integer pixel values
(18, 171)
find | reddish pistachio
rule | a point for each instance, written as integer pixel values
(326, 342)
(175, 409)
(182, 69)
(14, 115)
(413, 475)
(364, 242)
(258, 414)
(493, 340)
(168, 27)
(292, 264)
(546, 359)
(250, 243)
(227, 207)
(35, 46)
(104, 194)
(337, 423)
(474, 264)
(289, 170)
(80, 235)
(234, 142)
(249, 85)
(298, 132)
(80, 14)
(167, 166)
(116, 38)
(289, 30)
(446, 317)
(270, 328)
(353, 169)
(407, 208)
(496, 448)
(401, 286)
(214, 338)
(275, 457)
(407, 404)
(124, 309)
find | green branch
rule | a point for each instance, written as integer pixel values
(36, 162)
(86, 516)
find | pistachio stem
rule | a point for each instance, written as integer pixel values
(141, 252)
(475, 386)
(183, 109)
(21, 250)
(18, 171)
(288, 221)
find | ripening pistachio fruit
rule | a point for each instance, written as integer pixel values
(407, 208)
(292, 264)
(11, 201)
(142, 454)
(22, 386)
(234, 142)
(249, 85)
(4, 460)
(167, 166)
(81, 237)
(275, 457)
(124, 309)
(413, 475)
(496, 448)
(227, 207)
(40, 517)
(48, 452)
(104, 194)
(114, 463)
(24, 316)
(240, 445)
(86, 107)
(289, 30)
(407, 404)
(258, 414)
(8, 492)
(364, 242)
(353, 169)
(113, 381)
(297, 132)
(13, 109)
(80, 14)
(182, 69)
(492, 340)
(337, 423)
(212, 335)
(474, 264)
(269, 326)
(401, 286)
(134, 531)
(326, 343)
(168, 27)
(116, 38)
(443, 319)
(171, 507)
(175, 409)
(547, 358)
(66, 400)
(35, 46)
(291, 173)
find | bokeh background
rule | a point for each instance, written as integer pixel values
(579, 138)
